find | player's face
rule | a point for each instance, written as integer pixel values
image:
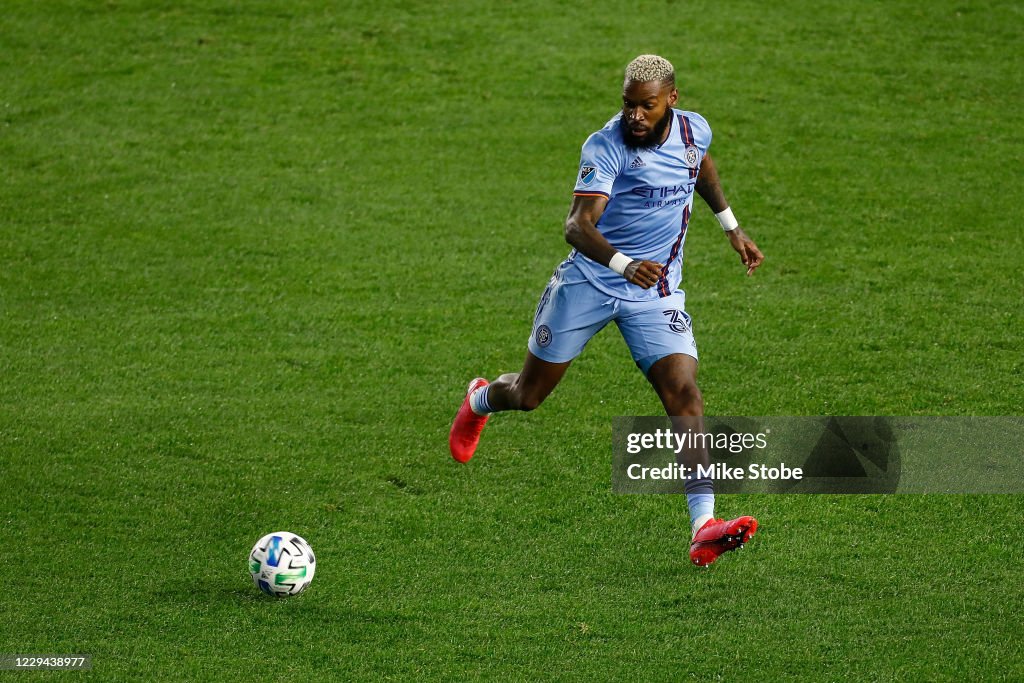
(646, 112)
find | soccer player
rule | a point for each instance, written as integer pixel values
(627, 224)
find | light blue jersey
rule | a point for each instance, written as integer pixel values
(650, 198)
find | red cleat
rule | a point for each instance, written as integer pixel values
(718, 536)
(465, 434)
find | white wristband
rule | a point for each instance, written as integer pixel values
(619, 262)
(727, 220)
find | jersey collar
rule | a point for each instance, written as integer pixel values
(673, 124)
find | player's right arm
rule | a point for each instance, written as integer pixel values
(581, 232)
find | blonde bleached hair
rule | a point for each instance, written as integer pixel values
(647, 68)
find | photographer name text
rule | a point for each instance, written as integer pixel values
(716, 471)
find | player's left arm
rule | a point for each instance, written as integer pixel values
(710, 190)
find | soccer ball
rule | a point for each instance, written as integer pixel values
(282, 564)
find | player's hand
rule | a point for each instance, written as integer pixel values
(643, 273)
(745, 247)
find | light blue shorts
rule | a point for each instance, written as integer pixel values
(571, 312)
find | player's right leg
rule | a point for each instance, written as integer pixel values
(570, 312)
(527, 389)
(512, 391)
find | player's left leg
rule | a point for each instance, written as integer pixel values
(660, 337)
(674, 378)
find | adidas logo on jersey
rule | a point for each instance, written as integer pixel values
(637, 163)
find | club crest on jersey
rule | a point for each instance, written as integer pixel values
(587, 174)
(637, 163)
(691, 156)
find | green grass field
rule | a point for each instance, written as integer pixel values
(250, 255)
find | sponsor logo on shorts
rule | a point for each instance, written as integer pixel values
(543, 336)
(691, 156)
(587, 174)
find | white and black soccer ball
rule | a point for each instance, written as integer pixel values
(282, 564)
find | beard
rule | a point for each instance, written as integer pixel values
(653, 136)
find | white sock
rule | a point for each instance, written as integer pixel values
(697, 524)
(478, 401)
